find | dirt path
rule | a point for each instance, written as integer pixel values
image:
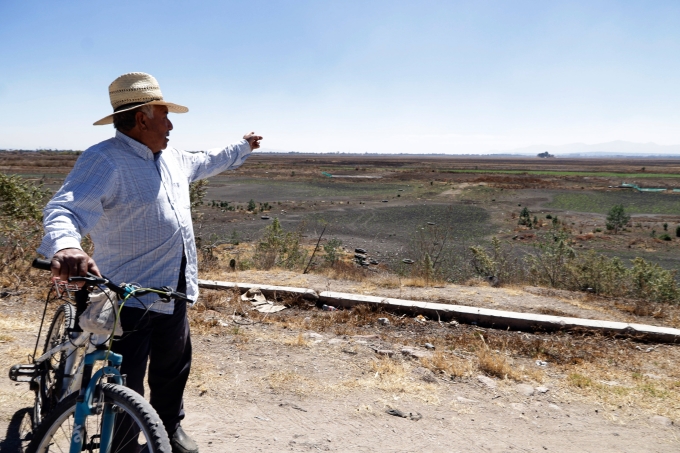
(280, 386)
(320, 398)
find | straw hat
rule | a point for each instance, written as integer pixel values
(133, 90)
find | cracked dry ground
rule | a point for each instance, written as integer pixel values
(308, 380)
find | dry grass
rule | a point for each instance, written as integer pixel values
(629, 390)
(448, 363)
(18, 323)
(496, 365)
(393, 376)
(345, 270)
(13, 354)
(289, 381)
(299, 341)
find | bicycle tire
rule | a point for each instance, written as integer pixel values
(54, 434)
(49, 389)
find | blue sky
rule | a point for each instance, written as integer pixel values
(364, 76)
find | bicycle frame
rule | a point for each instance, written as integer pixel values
(74, 361)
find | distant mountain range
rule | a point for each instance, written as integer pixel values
(608, 149)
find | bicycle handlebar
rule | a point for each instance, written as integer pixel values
(165, 292)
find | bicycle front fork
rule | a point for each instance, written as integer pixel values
(86, 404)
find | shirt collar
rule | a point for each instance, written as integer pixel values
(140, 149)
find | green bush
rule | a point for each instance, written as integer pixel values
(665, 237)
(556, 265)
(651, 282)
(197, 191)
(677, 231)
(21, 231)
(498, 263)
(597, 273)
(525, 217)
(617, 218)
(332, 250)
(548, 265)
(279, 248)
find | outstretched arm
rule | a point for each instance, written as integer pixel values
(209, 163)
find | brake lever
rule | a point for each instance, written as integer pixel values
(90, 279)
(172, 294)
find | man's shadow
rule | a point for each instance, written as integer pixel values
(18, 432)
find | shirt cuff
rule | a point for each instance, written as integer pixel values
(245, 147)
(49, 250)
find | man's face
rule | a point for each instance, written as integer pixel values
(156, 135)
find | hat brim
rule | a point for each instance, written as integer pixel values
(174, 108)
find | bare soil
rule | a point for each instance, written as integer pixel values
(309, 380)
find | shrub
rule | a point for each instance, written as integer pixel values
(279, 248)
(332, 250)
(598, 273)
(665, 237)
(498, 264)
(525, 217)
(433, 241)
(251, 205)
(548, 265)
(652, 282)
(197, 191)
(617, 218)
(677, 231)
(21, 230)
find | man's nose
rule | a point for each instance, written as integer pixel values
(169, 125)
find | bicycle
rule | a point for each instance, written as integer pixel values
(76, 410)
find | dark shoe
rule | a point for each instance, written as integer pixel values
(182, 443)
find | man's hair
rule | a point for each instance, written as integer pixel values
(124, 121)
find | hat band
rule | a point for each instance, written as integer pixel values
(134, 104)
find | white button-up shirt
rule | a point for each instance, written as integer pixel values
(135, 206)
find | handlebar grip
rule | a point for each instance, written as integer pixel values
(42, 264)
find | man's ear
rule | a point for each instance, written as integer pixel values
(140, 119)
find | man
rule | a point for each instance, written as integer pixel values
(131, 195)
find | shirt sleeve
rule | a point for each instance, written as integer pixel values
(205, 164)
(77, 207)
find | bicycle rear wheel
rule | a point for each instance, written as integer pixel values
(137, 425)
(51, 377)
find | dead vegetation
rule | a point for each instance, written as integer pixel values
(604, 369)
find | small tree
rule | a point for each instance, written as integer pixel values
(279, 247)
(525, 217)
(617, 218)
(251, 205)
(332, 249)
(677, 231)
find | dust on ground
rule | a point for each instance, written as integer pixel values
(310, 380)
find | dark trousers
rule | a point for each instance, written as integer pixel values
(164, 341)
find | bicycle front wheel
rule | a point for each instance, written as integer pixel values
(51, 377)
(137, 427)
